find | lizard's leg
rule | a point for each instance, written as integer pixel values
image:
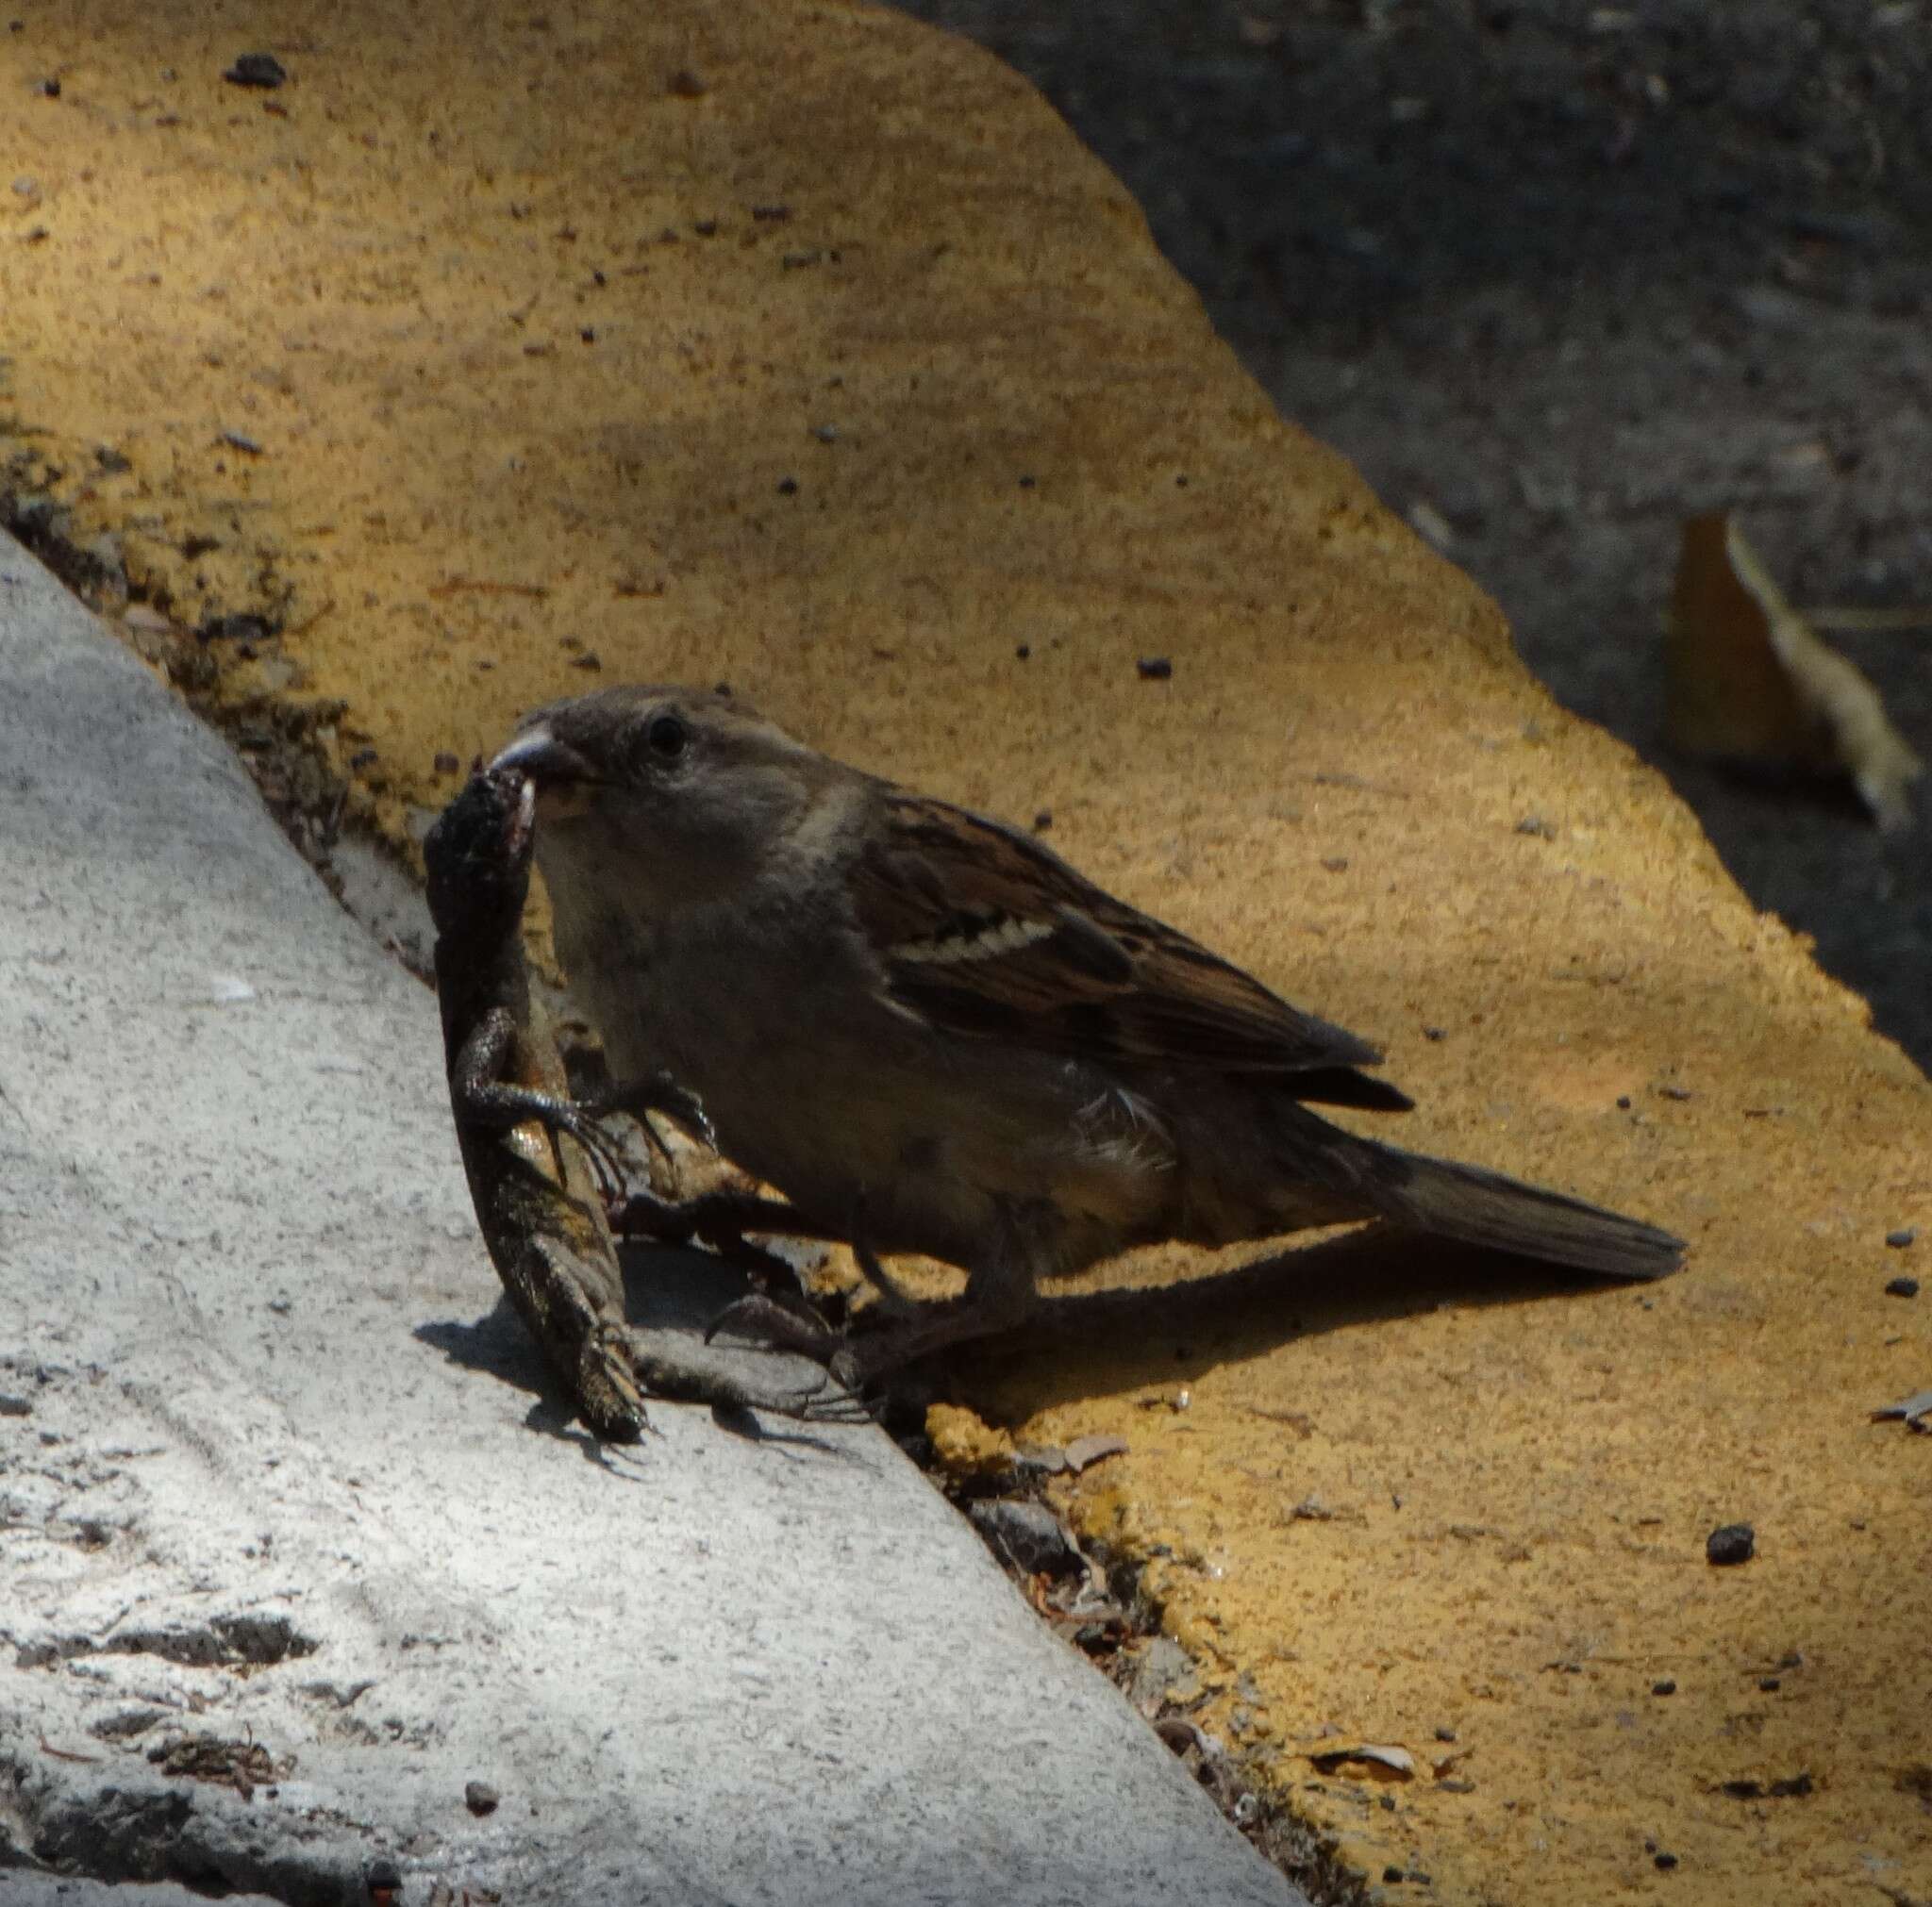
(484, 1098)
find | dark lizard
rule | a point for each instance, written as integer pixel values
(536, 1163)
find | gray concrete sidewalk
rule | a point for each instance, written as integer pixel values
(275, 1468)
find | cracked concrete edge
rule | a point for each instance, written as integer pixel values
(280, 1470)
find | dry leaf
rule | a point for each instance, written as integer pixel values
(1751, 682)
(1083, 1452)
(1383, 1760)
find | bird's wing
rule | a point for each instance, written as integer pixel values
(983, 931)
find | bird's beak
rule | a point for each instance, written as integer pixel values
(564, 780)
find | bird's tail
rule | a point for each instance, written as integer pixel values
(1486, 1208)
(1469, 1203)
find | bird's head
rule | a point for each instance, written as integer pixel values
(679, 793)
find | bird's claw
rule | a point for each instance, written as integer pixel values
(765, 1321)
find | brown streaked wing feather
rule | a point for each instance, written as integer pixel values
(985, 932)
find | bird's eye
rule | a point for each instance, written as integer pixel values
(667, 736)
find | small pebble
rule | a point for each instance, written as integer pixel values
(256, 69)
(1902, 1288)
(1025, 650)
(1665, 1861)
(1042, 821)
(1664, 1687)
(1769, 1684)
(49, 88)
(788, 487)
(1155, 667)
(1445, 1734)
(480, 1798)
(1732, 1543)
(1622, 1102)
(1898, 1240)
(1392, 1873)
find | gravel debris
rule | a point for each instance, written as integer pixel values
(1731, 1544)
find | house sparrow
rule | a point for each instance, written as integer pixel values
(933, 1036)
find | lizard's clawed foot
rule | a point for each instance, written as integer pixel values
(606, 1162)
(657, 1092)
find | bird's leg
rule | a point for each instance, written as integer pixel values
(670, 1365)
(763, 1320)
(891, 1293)
(719, 1219)
(760, 1314)
(998, 1298)
(986, 1310)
